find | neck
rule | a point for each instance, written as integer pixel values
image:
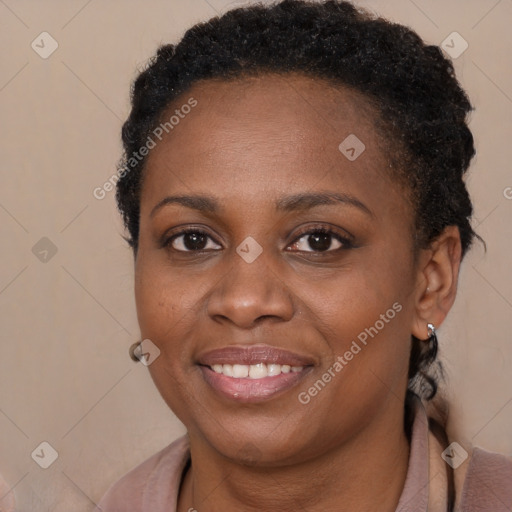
(367, 473)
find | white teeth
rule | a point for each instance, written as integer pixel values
(240, 371)
(254, 371)
(217, 368)
(258, 371)
(273, 369)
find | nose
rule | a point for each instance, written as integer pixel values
(250, 292)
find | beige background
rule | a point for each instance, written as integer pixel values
(65, 374)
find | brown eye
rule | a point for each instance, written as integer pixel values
(320, 240)
(190, 240)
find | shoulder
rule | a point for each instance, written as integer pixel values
(152, 485)
(488, 482)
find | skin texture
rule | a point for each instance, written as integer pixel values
(248, 143)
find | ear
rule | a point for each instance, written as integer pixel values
(436, 283)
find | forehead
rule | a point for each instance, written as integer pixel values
(253, 136)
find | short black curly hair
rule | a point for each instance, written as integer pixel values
(421, 110)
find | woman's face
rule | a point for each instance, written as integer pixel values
(260, 170)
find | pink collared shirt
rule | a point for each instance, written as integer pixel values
(487, 487)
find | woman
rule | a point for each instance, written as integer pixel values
(293, 191)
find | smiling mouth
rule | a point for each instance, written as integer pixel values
(253, 383)
(253, 373)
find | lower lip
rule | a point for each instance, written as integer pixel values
(252, 390)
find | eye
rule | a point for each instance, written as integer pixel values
(321, 239)
(191, 240)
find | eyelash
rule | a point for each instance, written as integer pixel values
(346, 242)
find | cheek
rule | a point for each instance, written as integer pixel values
(166, 314)
(153, 300)
(165, 302)
(365, 316)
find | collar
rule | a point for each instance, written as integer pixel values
(427, 481)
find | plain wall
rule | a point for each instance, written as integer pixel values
(67, 323)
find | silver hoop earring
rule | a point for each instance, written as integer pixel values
(432, 340)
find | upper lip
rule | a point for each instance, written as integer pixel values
(253, 354)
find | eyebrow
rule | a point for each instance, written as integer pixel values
(295, 202)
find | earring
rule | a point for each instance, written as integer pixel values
(432, 339)
(135, 351)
